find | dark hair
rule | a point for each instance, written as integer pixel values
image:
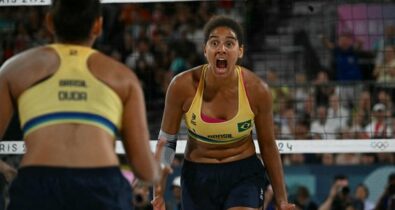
(223, 21)
(340, 177)
(73, 19)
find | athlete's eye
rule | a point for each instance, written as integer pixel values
(229, 44)
(214, 43)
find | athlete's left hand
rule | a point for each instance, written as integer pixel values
(287, 206)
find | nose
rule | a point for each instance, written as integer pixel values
(221, 48)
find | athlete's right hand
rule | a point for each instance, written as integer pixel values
(158, 203)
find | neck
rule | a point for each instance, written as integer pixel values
(221, 82)
(86, 43)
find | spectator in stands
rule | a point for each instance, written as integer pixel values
(185, 48)
(385, 72)
(357, 127)
(141, 53)
(161, 52)
(347, 159)
(323, 127)
(339, 197)
(175, 202)
(309, 106)
(278, 91)
(127, 46)
(362, 194)
(287, 118)
(364, 106)
(178, 63)
(387, 40)
(345, 56)
(379, 127)
(301, 91)
(386, 158)
(303, 200)
(338, 112)
(277, 129)
(322, 89)
(22, 39)
(383, 97)
(195, 34)
(328, 159)
(387, 199)
(346, 66)
(368, 158)
(142, 62)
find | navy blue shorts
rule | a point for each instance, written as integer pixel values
(50, 188)
(222, 186)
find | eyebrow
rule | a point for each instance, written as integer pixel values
(228, 37)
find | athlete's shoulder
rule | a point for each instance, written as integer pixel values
(184, 85)
(112, 67)
(253, 82)
(31, 61)
(115, 74)
(188, 78)
(259, 93)
(29, 55)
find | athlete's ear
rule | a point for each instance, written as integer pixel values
(241, 51)
(49, 23)
(204, 50)
(97, 27)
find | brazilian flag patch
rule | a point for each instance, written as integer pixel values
(242, 126)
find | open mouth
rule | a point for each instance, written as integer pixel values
(221, 63)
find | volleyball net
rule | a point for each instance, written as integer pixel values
(284, 146)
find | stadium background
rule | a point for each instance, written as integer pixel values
(285, 46)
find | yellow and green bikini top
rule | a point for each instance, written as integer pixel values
(71, 95)
(214, 131)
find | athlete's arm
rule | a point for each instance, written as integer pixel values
(6, 107)
(135, 133)
(171, 120)
(267, 144)
(175, 98)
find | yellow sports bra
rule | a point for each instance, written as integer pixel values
(71, 95)
(233, 130)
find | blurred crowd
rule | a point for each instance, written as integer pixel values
(157, 41)
(345, 100)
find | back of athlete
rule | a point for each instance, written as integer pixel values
(66, 144)
(73, 101)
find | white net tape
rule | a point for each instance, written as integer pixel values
(285, 147)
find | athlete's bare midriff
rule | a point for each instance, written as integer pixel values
(70, 145)
(201, 152)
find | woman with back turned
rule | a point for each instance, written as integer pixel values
(220, 103)
(73, 101)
